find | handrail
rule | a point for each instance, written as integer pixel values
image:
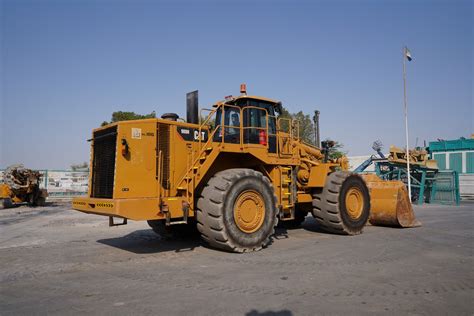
(201, 151)
(226, 126)
(212, 111)
(292, 124)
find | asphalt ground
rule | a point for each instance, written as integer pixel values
(58, 261)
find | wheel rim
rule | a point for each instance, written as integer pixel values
(249, 211)
(354, 203)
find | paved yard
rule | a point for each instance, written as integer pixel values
(58, 261)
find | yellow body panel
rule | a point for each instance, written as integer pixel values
(305, 198)
(135, 209)
(318, 175)
(5, 191)
(139, 166)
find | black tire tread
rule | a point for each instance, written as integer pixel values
(210, 210)
(326, 205)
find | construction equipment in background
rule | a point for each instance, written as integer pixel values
(418, 156)
(377, 146)
(233, 176)
(21, 185)
(428, 183)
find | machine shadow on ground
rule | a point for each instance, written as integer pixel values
(309, 224)
(145, 241)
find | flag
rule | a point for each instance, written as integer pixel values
(408, 54)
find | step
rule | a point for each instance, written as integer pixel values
(178, 222)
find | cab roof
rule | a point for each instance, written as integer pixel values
(232, 100)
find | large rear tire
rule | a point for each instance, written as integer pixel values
(237, 211)
(343, 205)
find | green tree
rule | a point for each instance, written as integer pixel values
(306, 126)
(336, 151)
(127, 116)
(285, 113)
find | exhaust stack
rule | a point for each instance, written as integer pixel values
(317, 136)
(192, 107)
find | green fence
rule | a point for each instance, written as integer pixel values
(470, 162)
(445, 188)
(441, 160)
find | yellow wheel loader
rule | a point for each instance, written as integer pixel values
(232, 177)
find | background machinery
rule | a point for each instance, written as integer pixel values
(233, 176)
(21, 185)
(428, 183)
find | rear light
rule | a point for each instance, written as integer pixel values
(125, 150)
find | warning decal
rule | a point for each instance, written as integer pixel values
(136, 133)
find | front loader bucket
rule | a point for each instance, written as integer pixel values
(389, 203)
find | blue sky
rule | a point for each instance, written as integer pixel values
(67, 65)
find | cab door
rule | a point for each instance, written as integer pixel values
(259, 118)
(228, 125)
(259, 127)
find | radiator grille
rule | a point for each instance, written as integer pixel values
(103, 167)
(163, 145)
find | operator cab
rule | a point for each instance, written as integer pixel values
(253, 117)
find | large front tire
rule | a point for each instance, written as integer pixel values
(343, 205)
(237, 211)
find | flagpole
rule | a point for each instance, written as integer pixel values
(406, 119)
